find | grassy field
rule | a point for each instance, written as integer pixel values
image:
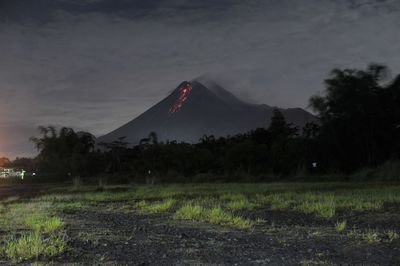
(41, 229)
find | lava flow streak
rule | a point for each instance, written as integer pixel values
(183, 95)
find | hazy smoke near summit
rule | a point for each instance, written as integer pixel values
(96, 64)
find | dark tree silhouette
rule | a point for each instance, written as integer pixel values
(358, 114)
(64, 153)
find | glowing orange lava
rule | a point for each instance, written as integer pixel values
(183, 95)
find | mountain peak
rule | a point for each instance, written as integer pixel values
(201, 107)
(198, 90)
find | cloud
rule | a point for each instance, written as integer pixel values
(95, 65)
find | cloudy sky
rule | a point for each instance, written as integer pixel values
(96, 64)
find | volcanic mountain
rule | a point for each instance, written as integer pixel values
(193, 110)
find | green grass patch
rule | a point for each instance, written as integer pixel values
(391, 235)
(322, 205)
(42, 230)
(33, 245)
(278, 201)
(44, 224)
(216, 204)
(214, 216)
(190, 212)
(371, 237)
(232, 197)
(219, 216)
(321, 199)
(68, 207)
(340, 226)
(241, 204)
(157, 207)
(108, 196)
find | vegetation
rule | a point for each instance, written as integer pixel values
(34, 231)
(41, 233)
(65, 154)
(214, 216)
(158, 207)
(321, 199)
(360, 118)
(32, 246)
(357, 137)
(391, 235)
(219, 216)
(340, 226)
(69, 207)
(371, 237)
(190, 212)
(241, 204)
(44, 224)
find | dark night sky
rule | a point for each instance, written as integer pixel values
(96, 64)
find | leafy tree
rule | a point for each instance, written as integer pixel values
(64, 153)
(359, 112)
(28, 164)
(114, 153)
(280, 134)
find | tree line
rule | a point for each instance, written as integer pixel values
(359, 127)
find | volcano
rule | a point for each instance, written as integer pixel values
(194, 109)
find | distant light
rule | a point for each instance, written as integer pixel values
(314, 164)
(33, 174)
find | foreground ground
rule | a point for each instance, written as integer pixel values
(207, 224)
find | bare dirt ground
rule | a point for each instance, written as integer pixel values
(116, 238)
(109, 234)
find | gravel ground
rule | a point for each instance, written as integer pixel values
(109, 234)
(108, 237)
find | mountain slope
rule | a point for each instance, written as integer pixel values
(193, 110)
